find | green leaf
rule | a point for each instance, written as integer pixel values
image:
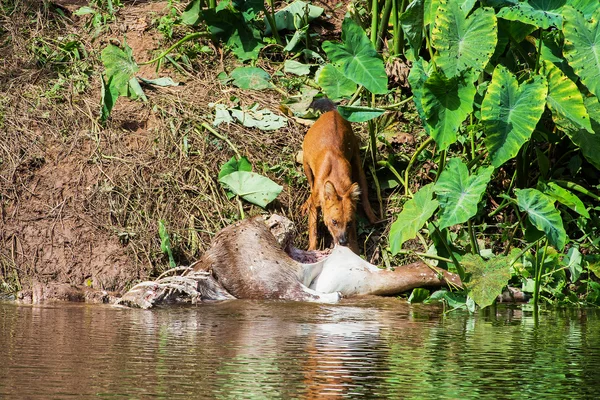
(543, 215)
(587, 142)
(291, 17)
(165, 243)
(462, 42)
(109, 94)
(229, 26)
(418, 295)
(163, 82)
(334, 83)
(565, 197)
(296, 68)
(573, 261)
(431, 7)
(564, 98)
(446, 103)
(587, 7)
(221, 115)
(488, 277)
(582, 47)
(541, 13)
(252, 187)
(510, 112)
(193, 13)
(419, 73)
(251, 78)
(412, 24)
(234, 165)
(414, 215)
(358, 59)
(459, 193)
(359, 114)
(120, 67)
(85, 10)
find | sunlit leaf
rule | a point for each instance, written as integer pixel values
(291, 17)
(463, 43)
(358, 59)
(582, 47)
(359, 114)
(543, 215)
(459, 193)
(262, 119)
(334, 83)
(234, 165)
(193, 13)
(573, 261)
(251, 78)
(164, 82)
(252, 187)
(414, 215)
(446, 104)
(295, 67)
(541, 13)
(119, 67)
(418, 295)
(565, 197)
(488, 277)
(510, 113)
(564, 98)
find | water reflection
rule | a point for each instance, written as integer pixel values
(370, 348)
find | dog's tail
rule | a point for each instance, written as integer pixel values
(323, 104)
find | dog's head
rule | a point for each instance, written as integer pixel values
(339, 210)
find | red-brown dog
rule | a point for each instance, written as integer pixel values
(332, 165)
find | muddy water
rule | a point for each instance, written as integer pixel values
(369, 348)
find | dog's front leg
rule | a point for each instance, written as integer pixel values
(312, 223)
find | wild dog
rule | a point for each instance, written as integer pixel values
(334, 171)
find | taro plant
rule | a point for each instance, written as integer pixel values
(507, 89)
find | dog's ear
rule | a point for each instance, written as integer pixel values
(354, 192)
(330, 192)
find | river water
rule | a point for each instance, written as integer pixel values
(362, 348)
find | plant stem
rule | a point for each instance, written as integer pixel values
(241, 207)
(385, 20)
(505, 202)
(396, 29)
(374, 18)
(539, 270)
(270, 15)
(212, 3)
(442, 164)
(512, 235)
(525, 250)
(474, 246)
(396, 105)
(537, 58)
(355, 95)
(459, 268)
(393, 171)
(179, 43)
(399, 40)
(422, 147)
(373, 146)
(218, 135)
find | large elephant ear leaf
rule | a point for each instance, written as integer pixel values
(358, 59)
(459, 193)
(419, 73)
(414, 215)
(541, 13)
(488, 277)
(446, 103)
(510, 113)
(543, 215)
(582, 47)
(463, 42)
(411, 21)
(564, 98)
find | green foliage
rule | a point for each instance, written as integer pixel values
(358, 58)
(333, 82)
(234, 165)
(359, 114)
(295, 16)
(487, 277)
(252, 187)
(165, 243)
(459, 193)
(463, 43)
(251, 78)
(446, 103)
(542, 214)
(510, 113)
(541, 13)
(582, 46)
(413, 217)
